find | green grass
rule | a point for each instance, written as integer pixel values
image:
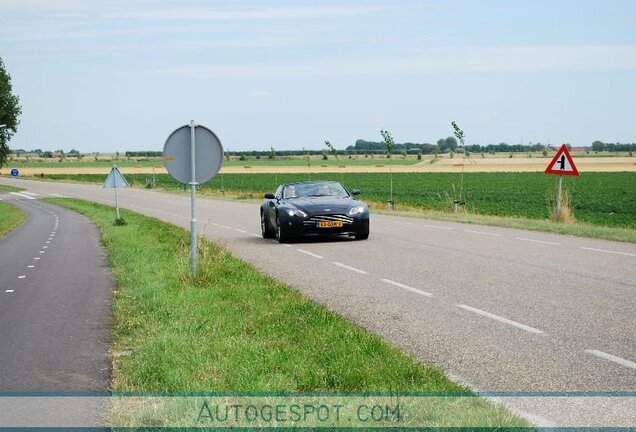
(7, 188)
(10, 217)
(232, 329)
(602, 199)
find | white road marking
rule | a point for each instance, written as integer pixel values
(214, 224)
(48, 241)
(406, 287)
(45, 247)
(58, 195)
(32, 194)
(434, 226)
(9, 291)
(537, 241)
(286, 245)
(612, 358)
(500, 319)
(483, 233)
(42, 252)
(240, 230)
(344, 266)
(255, 235)
(30, 266)
(21, 277)
(226, 227)
(22, 195)
(608, 251)
(309, 253)
(36, 258)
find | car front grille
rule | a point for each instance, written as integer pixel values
(312, 221)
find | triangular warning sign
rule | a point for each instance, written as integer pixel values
(562, 163)
(115, 179)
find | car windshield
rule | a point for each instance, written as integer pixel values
(318, 189)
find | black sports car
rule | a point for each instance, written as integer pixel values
(313, 207)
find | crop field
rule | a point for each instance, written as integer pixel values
(316, 161)
(606, 199)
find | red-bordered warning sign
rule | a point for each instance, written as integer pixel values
(562, 163)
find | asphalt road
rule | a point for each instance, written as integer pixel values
(501, 310)
(55, 299)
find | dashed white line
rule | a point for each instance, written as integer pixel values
(608, 251)
(500, 319)
(226, 227)
(344, 266)
(36, 258)
(32, 194)
(214, 224)
(612, 358)
(434, 226)
(406, 287)
(58, 195)
(310, 253)
(286, 245)
(240, 230)
(255, 235)
(9, 291)
(537, 241)
(48, 242)
(30, 266)
(483, 233)
(22, 195)
(45, 247)
(21, 277)
(41, 251)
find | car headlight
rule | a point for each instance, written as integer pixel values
(296, 212)
(357, 210)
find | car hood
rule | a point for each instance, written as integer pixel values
(324, 205)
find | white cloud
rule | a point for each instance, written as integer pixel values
(576, 58)
(247, 13)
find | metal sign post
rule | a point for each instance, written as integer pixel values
(193, 188)
(115, 180)
(193, 155)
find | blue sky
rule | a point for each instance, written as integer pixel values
(121, 75)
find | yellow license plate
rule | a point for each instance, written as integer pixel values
(329, 224)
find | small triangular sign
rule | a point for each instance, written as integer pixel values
(562, 163)
(115, 179)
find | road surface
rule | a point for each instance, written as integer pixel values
(55, 301)
(501, 310)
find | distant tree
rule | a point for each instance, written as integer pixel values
(388, 142)
(598, 146)
(10, 110)
(332, 149)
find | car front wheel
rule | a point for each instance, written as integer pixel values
(266, 231)
(280, 233)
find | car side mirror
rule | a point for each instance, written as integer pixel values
(269, 196)
(356, 192)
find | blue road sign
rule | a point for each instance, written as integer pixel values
(15, 172)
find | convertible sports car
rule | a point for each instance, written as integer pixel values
(313, 207)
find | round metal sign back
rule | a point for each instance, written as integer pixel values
(208, 154)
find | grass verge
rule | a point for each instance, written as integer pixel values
(10, 218)
(7, 188)
(232, 329)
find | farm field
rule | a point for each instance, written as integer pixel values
(489, 163)
(604, 199)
